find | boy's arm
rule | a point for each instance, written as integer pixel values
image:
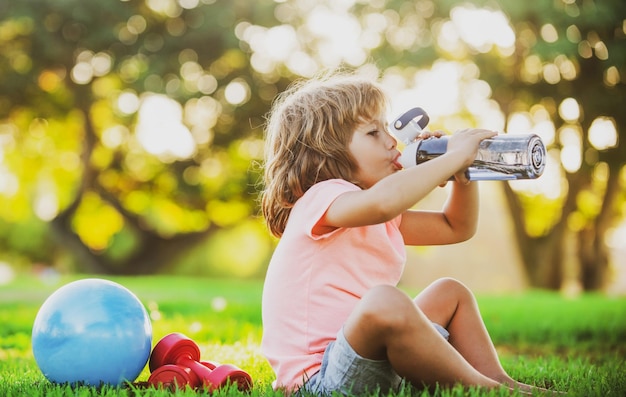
(397, 193)
(455, 223)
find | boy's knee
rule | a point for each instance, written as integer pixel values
(387, 306)
(385, 296)
(455, 287)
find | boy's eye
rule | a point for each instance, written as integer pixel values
(373, 133)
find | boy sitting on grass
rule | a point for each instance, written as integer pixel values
(336, 195)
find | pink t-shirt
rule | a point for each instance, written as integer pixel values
(313, 282)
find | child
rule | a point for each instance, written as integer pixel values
(340, 202)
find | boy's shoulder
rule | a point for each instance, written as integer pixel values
(336, 183)
(325, 192)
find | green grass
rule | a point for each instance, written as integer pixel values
(574, 345)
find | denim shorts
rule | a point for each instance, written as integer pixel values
(344, 371)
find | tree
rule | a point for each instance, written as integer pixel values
(570, 55)
(80, 79)
(125, 195)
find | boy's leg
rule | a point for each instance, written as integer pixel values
(387, 324)
(344, 371)
(451, 304)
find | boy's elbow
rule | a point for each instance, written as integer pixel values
(461, 231)
(464, 237)
(466, 233)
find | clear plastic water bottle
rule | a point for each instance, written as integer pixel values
(503, 157)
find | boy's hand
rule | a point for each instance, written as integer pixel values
(430, 134)
(461, 177)
(465, 143)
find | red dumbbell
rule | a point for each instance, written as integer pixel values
(173, 377)
(178, 350)
(230, 373)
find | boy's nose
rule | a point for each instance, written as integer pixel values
(393, 142)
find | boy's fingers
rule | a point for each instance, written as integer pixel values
(461, 177)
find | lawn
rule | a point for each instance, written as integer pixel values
(575, 345)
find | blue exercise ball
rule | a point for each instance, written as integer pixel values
(92, 332)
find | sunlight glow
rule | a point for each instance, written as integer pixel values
(237, 92)
(482, 28)
(269, 46)
(219, 304)
(330, 36)
(543, 124)
(101, 63)
(160, 129)
(155, 314)
(8, 132)
(569, 110)
(519, 123)
(282, 42)
(444, 91)
(571, 153)
(339, 35)
(603, 134)
(616, 237)
(189, 4)
(548, 185)
(165, 7)
(549, 33)
(201, 114)
(136, 24)
(114, 136)
(545, 129)
(551, 73)
(9, 184)
(46, 206)
(89, 65)
(128, 102)
(611, 76)
(451, 87)
(532, 69)
(82, 73)
(437, 90)
(566, 67)
(7, 274)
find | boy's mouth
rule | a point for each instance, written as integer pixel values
(396, 162)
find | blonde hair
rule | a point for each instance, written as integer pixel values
(308, 131)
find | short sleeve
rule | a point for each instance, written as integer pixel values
(316, 201)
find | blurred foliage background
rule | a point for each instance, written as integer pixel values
(131, 131)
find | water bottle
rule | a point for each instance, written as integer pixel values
(503, 157)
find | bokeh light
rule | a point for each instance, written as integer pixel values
(603, 133)
(160, 129)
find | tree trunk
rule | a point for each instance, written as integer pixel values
(594, 259)
(543, 260)
(593, 251)
(543, 256)
(153, 252)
